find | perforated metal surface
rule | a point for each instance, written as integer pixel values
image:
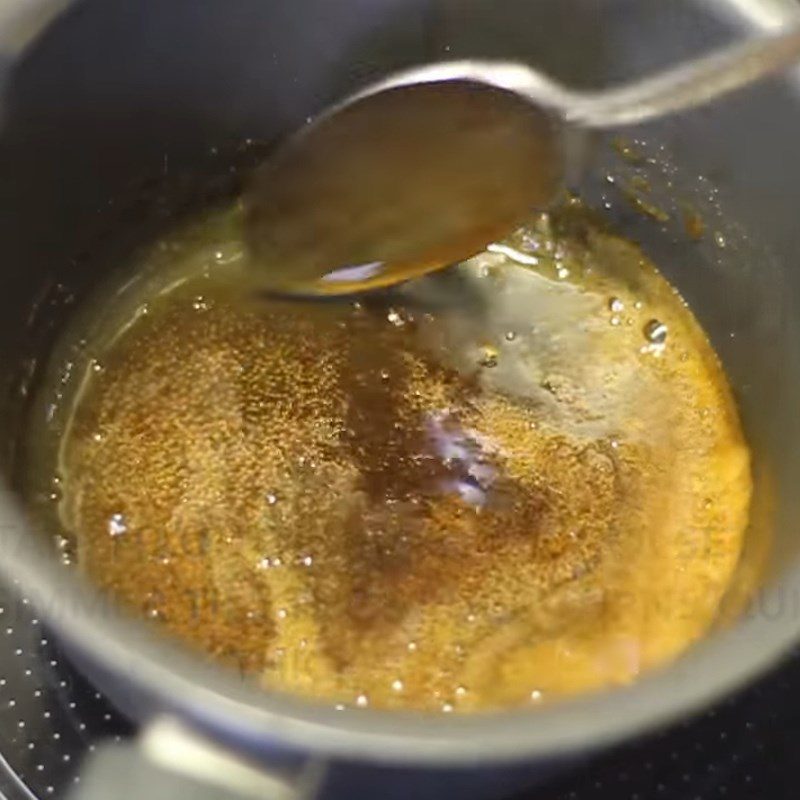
(49, 716)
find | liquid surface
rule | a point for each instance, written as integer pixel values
(512, 482)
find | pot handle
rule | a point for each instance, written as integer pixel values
(168, 761)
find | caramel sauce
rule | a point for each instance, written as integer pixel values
(402, 505)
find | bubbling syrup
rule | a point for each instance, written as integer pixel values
(421, 501)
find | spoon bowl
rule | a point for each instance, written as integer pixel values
(399, 183)
(429, 167)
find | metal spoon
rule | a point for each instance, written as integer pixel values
(430, 166)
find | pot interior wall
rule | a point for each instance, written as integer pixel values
(118, 92)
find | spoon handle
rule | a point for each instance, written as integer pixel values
(687, 85)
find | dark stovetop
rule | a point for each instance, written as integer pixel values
(746, 747)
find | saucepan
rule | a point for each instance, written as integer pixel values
(102, 96)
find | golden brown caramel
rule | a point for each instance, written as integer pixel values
(402, 507)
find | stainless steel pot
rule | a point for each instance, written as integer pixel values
(115, 90)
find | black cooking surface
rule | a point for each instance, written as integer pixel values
(746, 747)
